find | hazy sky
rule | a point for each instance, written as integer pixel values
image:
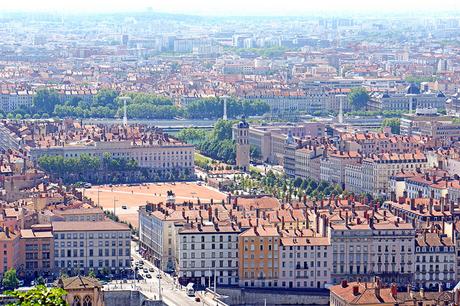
(234, 7)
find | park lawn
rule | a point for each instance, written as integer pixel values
(201, 158)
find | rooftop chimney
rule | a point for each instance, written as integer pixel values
(394, 291)
(355, 290)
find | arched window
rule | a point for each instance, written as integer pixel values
(87, 301)
(76, 301)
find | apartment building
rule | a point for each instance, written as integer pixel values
(293, 102)
(307, 163)
(409, 100)
(259, 255)
(333, 164)
(290, 147)
(162, 156)
(453, 189)
(435, 261)
(421, 210)
(271, 139)
(369, 243)
(77, 214)
(83, 245)
(305, 262)
(208, 254)
(368, 143)
(373, 174)
(376, 293)
(432, 184)
(429, 123)
(158, 235)
(37, 251)
(10, 249)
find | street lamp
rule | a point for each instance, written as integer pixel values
(159, 285)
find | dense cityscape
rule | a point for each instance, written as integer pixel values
(151, 158)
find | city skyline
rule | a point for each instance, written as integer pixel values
(240, 7)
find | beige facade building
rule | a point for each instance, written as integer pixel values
(83, 245)
(367, 244)
(333, 164)
(435, 261)
(307, 162)
(373, 174)
(270, 139)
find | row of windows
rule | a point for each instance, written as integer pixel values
(91, 252)
(92, 236)
(91, 243)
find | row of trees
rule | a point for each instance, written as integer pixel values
(107, 104)
(109, 169)
(285, 188)
(60, 166)
(76, 168)
(214, 108)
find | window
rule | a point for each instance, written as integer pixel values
(87, 301)
(76, 301)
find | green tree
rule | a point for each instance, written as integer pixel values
(45, 100)
(106, 97)
(358, 98)
(394, 123)
(10, 279)
(40, 280)
(39, 295)
(91, 273)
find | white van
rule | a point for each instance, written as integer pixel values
(189, 289)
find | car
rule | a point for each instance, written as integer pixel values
(141, 262)
(151, 270)
(148, 275)
(197, 299)
(158, 276)
(145, 270)
(124, 207)
(21, 283)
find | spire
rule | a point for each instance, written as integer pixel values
(340, 116)
(224, 117)
(125, 115)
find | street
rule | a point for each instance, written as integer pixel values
(171, 294)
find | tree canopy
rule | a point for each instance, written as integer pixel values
(394, 123)
(10, 279)
(39, 295)
(45, 100)
(358, 98)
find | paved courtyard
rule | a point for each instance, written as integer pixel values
(134, 196)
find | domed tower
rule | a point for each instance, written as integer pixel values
(241, 136)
